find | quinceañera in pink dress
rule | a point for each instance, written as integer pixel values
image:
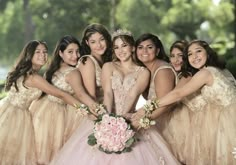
(151, 149)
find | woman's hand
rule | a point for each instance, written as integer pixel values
(135, 118)
(138, 115)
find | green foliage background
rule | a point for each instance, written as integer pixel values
(24, 20)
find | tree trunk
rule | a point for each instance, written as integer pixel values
(29, 27)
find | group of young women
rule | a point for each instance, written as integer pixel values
(40, 122)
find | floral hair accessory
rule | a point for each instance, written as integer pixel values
(121, 32)
(112, 134)
(151, 105)
(82, 109)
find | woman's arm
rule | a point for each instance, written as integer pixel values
(107, 70)
(203, 77)
(133, 95)
(39, 82)
(164, 82)
(88, 73)
(75, 80)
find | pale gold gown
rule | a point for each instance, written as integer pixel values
(17, 145)
(207, 137)
(174, 124)
(212, 133)
(49, 119)
(162, 120)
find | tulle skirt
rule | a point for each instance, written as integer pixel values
(212, 136)
(17, 145)
(73, 120)
(149, 150)
(49, 124)
(177, 129)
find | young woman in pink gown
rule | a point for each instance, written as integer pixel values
(212, 133)
(24, 84)
(123, 81)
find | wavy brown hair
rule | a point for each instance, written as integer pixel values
(23, 66)
(90, 30)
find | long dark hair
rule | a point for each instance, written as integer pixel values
(23, 66)
(179, 44)
(56, 60)
(212, 57)
(91, 29)
(156, 41)
(186, 69)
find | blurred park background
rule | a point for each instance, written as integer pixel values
(49, 20)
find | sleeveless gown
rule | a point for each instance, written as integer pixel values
(98, 72)
(73, 118)
(174, 124)
(212, 134)
(150, 150)
(162, 120)
(17, 145)
(49, 119)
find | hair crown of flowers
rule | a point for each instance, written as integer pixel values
(121, 32)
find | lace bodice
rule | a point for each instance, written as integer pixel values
(58, 80)
(121, 88)
(98, 70)
(152, 92)
(195, 102)
(24, 97)
(222, 91)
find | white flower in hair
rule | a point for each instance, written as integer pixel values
(121, 32)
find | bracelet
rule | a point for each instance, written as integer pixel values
(82, 109)
(99, 109)
(150, 106)
(146, 122)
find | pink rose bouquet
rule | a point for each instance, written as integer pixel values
(112, 134)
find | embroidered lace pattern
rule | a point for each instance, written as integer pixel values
(222, 84)
(121, 87)
(58, 80)
(24, 96)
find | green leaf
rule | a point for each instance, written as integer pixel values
(129, 142)
(92, 140)
(127, 149)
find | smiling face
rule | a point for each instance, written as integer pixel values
(40, 56)
(122, 50)
(176, 59)
(71, 54)
(146, 51)
(197, 56)
(97, 44)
